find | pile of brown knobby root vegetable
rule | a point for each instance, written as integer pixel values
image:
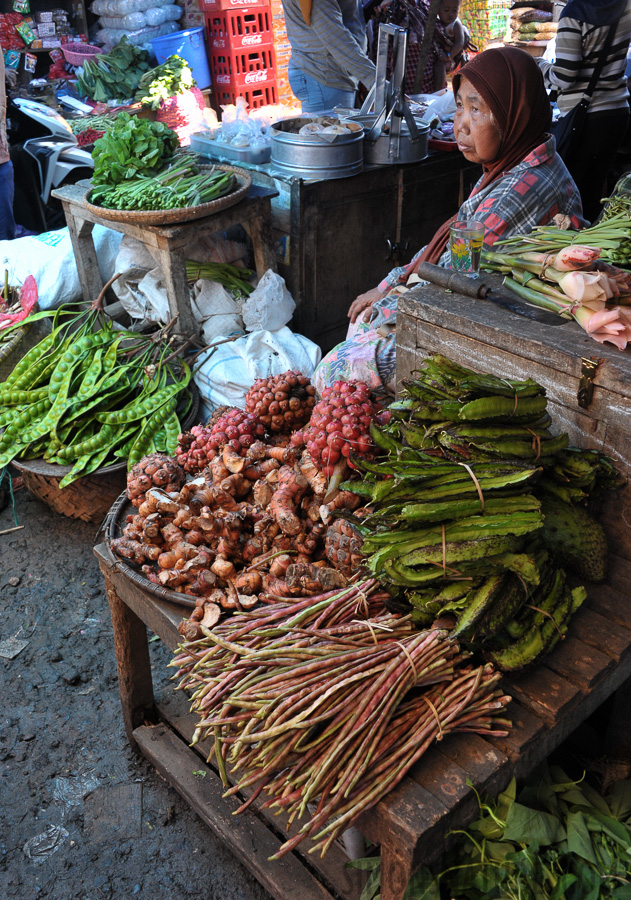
(325, 703)
(252, 525)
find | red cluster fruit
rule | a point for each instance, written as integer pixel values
(340, 423)
(282, 402)
(198, 446)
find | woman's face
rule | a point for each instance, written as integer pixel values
(475, 130)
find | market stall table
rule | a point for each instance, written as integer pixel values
(167, 243)
(412, 823)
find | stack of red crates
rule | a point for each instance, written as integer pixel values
(241, 48)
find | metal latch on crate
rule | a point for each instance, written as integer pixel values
(589, 367)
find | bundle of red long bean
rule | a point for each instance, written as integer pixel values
(330, 701)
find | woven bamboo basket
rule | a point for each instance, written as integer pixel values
(91, 497)
(177, 216)
(113, 527)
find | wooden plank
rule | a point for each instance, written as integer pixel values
(619, 576)
(596, 631)
(612, 604)
(479, 758)
(544, 692)
(173, 708)
(250, 841)
(525, 733)
(579, 663)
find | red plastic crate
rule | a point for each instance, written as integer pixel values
(223, 5)
(246, 69)
(239, 29)
(259, 96)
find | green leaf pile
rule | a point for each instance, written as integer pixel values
(174, 76)
(114, 75)
(556, 839)
(132, 147)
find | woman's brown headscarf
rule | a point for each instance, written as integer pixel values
(509, 80)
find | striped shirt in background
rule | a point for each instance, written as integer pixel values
(578, 47)
(332, 48)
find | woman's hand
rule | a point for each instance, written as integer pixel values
(364, 304)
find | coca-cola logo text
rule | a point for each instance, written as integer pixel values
(256, 77)
(249, 39)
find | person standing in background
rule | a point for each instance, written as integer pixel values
(581, 36)
(7, 222)
(328, 53)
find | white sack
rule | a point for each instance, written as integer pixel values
(142, 291)
(50, 259)
(218, 313)
(270, 306)
(229, 370)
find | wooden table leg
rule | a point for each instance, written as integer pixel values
(259, 231)
(134, 667)
(173, 267)
(85, 255)
(396, 871)
(618, 738)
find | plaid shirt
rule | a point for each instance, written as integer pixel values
(531, 194)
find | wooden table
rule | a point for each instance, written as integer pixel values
(167, 243)
(412, 823)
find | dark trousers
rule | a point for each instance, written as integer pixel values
(591, 159)
(7, 222)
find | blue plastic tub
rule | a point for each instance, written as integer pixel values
(191, 46)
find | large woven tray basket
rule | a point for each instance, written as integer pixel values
(91, 497)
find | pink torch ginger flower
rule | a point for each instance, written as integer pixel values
(611, 326)
(574, 257)
(586, 288)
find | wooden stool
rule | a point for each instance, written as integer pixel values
(167, 243)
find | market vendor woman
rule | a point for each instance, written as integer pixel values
(502, 120)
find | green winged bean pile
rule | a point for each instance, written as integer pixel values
(478, 508)
(87, 396)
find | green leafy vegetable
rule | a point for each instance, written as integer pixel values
(173, 77)
(131, 147)
(114, 75)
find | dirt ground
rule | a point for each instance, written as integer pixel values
(81, 816)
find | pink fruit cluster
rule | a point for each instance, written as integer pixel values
(236, 428)
(340, 423)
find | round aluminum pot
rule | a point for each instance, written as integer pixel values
(383, 152)
(313, 157)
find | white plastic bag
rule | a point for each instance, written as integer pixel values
(218, 313)
(141, 288)
(230, 369)
(270, 306)
(50, 259)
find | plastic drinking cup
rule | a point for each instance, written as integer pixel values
(465, 246)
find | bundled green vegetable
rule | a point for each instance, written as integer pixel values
(473, 511)
(131, 147)
(100, 122)
(114, 75)
(179, 185)
(88, 395)
(234, 278)
(174, 76)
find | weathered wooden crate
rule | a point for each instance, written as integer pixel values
(488, 338)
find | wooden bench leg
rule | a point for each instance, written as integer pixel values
(85, 255)
(134, 667)
(173, 267)
(619, 729)
(396, 871)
